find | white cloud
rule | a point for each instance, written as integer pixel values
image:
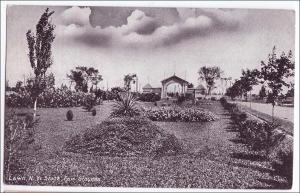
(76, 15)
(140, 23)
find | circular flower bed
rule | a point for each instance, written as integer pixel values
(125, 136)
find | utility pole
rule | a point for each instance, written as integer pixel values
(137, 84)
(24, 80)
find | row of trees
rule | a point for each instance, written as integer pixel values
(275, 75)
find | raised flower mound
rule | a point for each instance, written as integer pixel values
(180, 115)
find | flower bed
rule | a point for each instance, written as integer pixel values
(125, 136)
(179, 115)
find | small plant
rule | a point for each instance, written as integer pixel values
(126, 106)
(69, 115)
(180, 99)
(89, 102)
(94, 112)
(283, 165)
(223, 101)
(29, 120)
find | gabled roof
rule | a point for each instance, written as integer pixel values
(175, 78)
(200, 87)
(147, 86)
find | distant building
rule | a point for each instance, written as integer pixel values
(149, 89)
(199, 91)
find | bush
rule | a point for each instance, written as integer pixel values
(50, 98)
(125, 136)
(180, 99)
(69, 115)
(94, 112)
(126, 106)
(223, 101)
(149, 97)
(213, 98)
(89, 102)
(18, 138)
(283, 165)
(238, 117)
(181, 114)
(260, 135)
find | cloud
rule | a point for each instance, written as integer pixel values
(117, 16)
(140, 23)
(169, 35)
(143, 30)
(76, 15)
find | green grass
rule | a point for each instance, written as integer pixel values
(215, 159)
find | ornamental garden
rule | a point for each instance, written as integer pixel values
(191, 138)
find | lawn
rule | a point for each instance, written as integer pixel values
(213, 157)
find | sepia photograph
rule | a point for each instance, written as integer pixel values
(149, 97)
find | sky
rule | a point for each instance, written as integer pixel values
(154, 43)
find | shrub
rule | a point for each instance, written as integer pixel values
(238, 117)
(149, 97)
(94, 112)
(29, 120)
(180, 99)
(69, 115)
(89, 102)
(260, 135)
(126, 106)
(180, 114)
(18, 137)
(54, 97)
(125, 136)
(283, 165)
(223, 101)
(213, 98)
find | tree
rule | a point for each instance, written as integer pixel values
(7, 87)
(190, 85)
(128, 79)
(248, 79)
(276, 73)
(50, 80)
(263, 92)
(77, 77)
(235, 90)
(209, 75)
(39, 46)
(82, 76)
(18, 86)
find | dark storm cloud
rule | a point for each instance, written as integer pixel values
(117, 16)
(94, 39)
(145, 27)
